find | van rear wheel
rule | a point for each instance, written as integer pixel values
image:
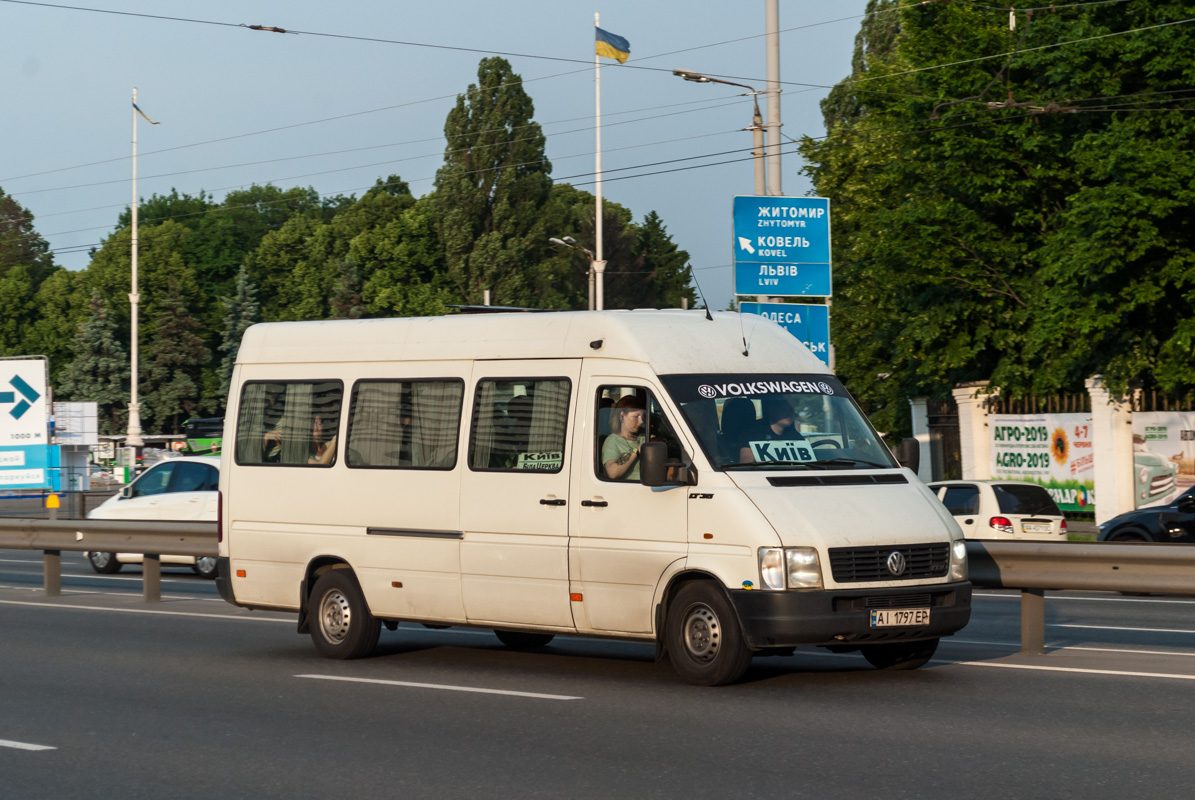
(703, 637)
(341, 625)
(900, 655)
(523, 641)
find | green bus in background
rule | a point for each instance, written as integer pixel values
(204, 437)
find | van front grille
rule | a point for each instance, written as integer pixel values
(858, 564)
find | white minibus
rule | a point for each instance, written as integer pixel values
(698, 481)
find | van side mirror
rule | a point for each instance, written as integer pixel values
(909, 454)
(126, 492)
(654, 466)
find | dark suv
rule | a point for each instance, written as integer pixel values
(1170, 523)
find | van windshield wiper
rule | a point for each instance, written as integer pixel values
(835, 462)
(769, 464)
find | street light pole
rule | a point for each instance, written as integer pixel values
(133, 438)
(772, 20)
(757, 126)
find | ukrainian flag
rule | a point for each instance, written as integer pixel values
(610, 45)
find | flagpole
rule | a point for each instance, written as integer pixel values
(599, 265)
(133, 438)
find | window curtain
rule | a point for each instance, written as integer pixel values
(297, 418)
(485, 425)
(251, 426)
(435, 423)
(376, 432)
(549, 415)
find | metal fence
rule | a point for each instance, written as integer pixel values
(1031, 567)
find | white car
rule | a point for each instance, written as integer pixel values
(995, 509)
(180, 489)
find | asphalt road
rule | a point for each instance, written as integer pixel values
(192, 697)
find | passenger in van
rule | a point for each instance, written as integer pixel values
(737, 423)
(322, 451)
(620, 452)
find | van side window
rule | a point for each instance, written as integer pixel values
(519, 425)
(289, 423)
(405, 424)
(628, 416)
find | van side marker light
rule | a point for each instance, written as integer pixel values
(240, 573)
(708, 535)
(396, 584)
(574, 597)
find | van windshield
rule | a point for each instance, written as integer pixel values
(777, 421)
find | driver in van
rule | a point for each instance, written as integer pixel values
(620, 451)
(777, 425)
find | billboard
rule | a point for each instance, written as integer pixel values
(1053, 450)
(1163, 456)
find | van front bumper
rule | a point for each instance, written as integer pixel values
(843, 617)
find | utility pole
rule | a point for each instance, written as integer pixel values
(133, 438)
(772, 41)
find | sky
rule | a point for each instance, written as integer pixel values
(333, 107)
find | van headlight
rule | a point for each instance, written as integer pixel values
(789, 568)
(958, 560)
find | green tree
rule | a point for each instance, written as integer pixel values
(493, 189)
(20, 244)
(99, 369)
(240, 311)
(63, 301)
(404, 264)
(1019, 218)
(17, 311)
(174, 358)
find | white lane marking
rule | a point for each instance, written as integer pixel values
(1114, 628)
(24, 745)
(146, 611)
(1055, 648)
(1016, 595)
(1121, 673)
(444, 687)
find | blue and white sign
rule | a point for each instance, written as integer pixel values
(24, 410)
(33, 466)
(782, 246)
(810, 324)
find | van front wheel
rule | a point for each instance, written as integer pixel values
(899, 655)
(705, 642)
(341, 625)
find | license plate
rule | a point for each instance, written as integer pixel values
(1030, 527)
(895, 617)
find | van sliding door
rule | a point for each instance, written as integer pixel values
(515, 493)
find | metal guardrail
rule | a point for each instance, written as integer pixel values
(1035, 567)
(1032, 567)
(154, 539)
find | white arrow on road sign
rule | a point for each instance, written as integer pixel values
(745, 243)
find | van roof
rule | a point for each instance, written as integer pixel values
(670, 341)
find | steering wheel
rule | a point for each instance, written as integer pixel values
(825, 443)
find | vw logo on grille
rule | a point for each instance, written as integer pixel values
(896, 563)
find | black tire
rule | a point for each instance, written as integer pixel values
(524, 641)
(205, 567)
(341, 625)
(104, 563)
(900, 655)
(704, 640)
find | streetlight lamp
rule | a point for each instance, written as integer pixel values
(756, 123)
(596, 270)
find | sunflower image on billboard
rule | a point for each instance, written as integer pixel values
(1052, 450)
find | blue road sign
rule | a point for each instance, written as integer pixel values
(810, 324)
(30, 394)
(782, 246)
